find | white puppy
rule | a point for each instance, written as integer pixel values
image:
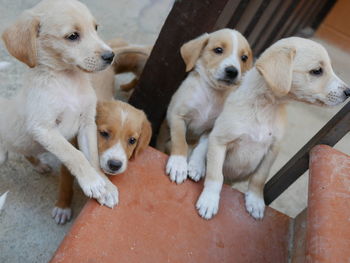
(217, 62)
(247, 134)
(58, 41)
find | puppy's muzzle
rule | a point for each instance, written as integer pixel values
(108, 57)
(114, 165)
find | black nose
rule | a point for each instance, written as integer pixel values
(231, 72)
(114, 165)
(108, 57)
(347, 92)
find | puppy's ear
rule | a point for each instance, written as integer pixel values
(20, 39)
(145, 137)
(191, 50)
(276, 66)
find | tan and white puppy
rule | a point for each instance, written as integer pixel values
(123, 133)
(216, 63)
(247, 134)
(59, 42)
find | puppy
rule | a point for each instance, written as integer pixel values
(216, 63)
(123, 133)
(59, 42)
(246, 136)
(128, 58)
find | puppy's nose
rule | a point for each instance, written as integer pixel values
(108, 57)
(231, 72)
(114, 165)
(347, 92)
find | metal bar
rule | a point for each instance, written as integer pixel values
(330, 134)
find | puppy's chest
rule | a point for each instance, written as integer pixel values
(75, 108)
(204, 111)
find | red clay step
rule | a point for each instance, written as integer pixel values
(328, 220)
(156, 221)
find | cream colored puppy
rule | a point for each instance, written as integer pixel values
(59, 42)
(216, 63)
(247, 134)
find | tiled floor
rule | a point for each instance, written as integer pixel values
(27, 232)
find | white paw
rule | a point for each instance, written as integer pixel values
(92, 186)
(61, 215)
(196, 170)
(177, 168)
(110, 198)
(208, 204)
(255, 205)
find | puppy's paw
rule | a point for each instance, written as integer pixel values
(110, 198)
(61, 215)
(93, 186)
(255, 205)
(196, 170)
(177, 168)
(208, 204)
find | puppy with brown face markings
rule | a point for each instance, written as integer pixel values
(59, 42)
(123, 133)
(216, 63)
(246, 136)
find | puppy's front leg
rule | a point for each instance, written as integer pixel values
(177, 163)
(196, 164)
(87, 141)
(52, 140)
(254, 197)
(208, 202)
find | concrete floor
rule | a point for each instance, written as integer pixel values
(27, 232)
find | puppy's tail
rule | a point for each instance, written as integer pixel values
(2, 200)
(131, 59)
(4, 64)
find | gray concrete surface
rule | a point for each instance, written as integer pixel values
(27, 232)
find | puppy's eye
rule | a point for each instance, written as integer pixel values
(244, 58)
(316, 72)
(218, 50)
(132, 140)
(73, 37)
(104, 134)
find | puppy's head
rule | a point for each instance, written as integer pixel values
(59, 34)
(301, 69)
(123, 133)
(221, 57)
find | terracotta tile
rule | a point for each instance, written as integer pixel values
(156, 221)
(328, 231)
(299, 238)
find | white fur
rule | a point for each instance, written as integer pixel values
(124, 116)
(177, 168)
(196, 164)
(255, 205)
(116, 152)
(2, 200)
(61, 215)
(208, 202)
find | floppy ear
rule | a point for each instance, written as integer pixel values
(191, 50)
(20, 39)
(145, 137)
(276, 66)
